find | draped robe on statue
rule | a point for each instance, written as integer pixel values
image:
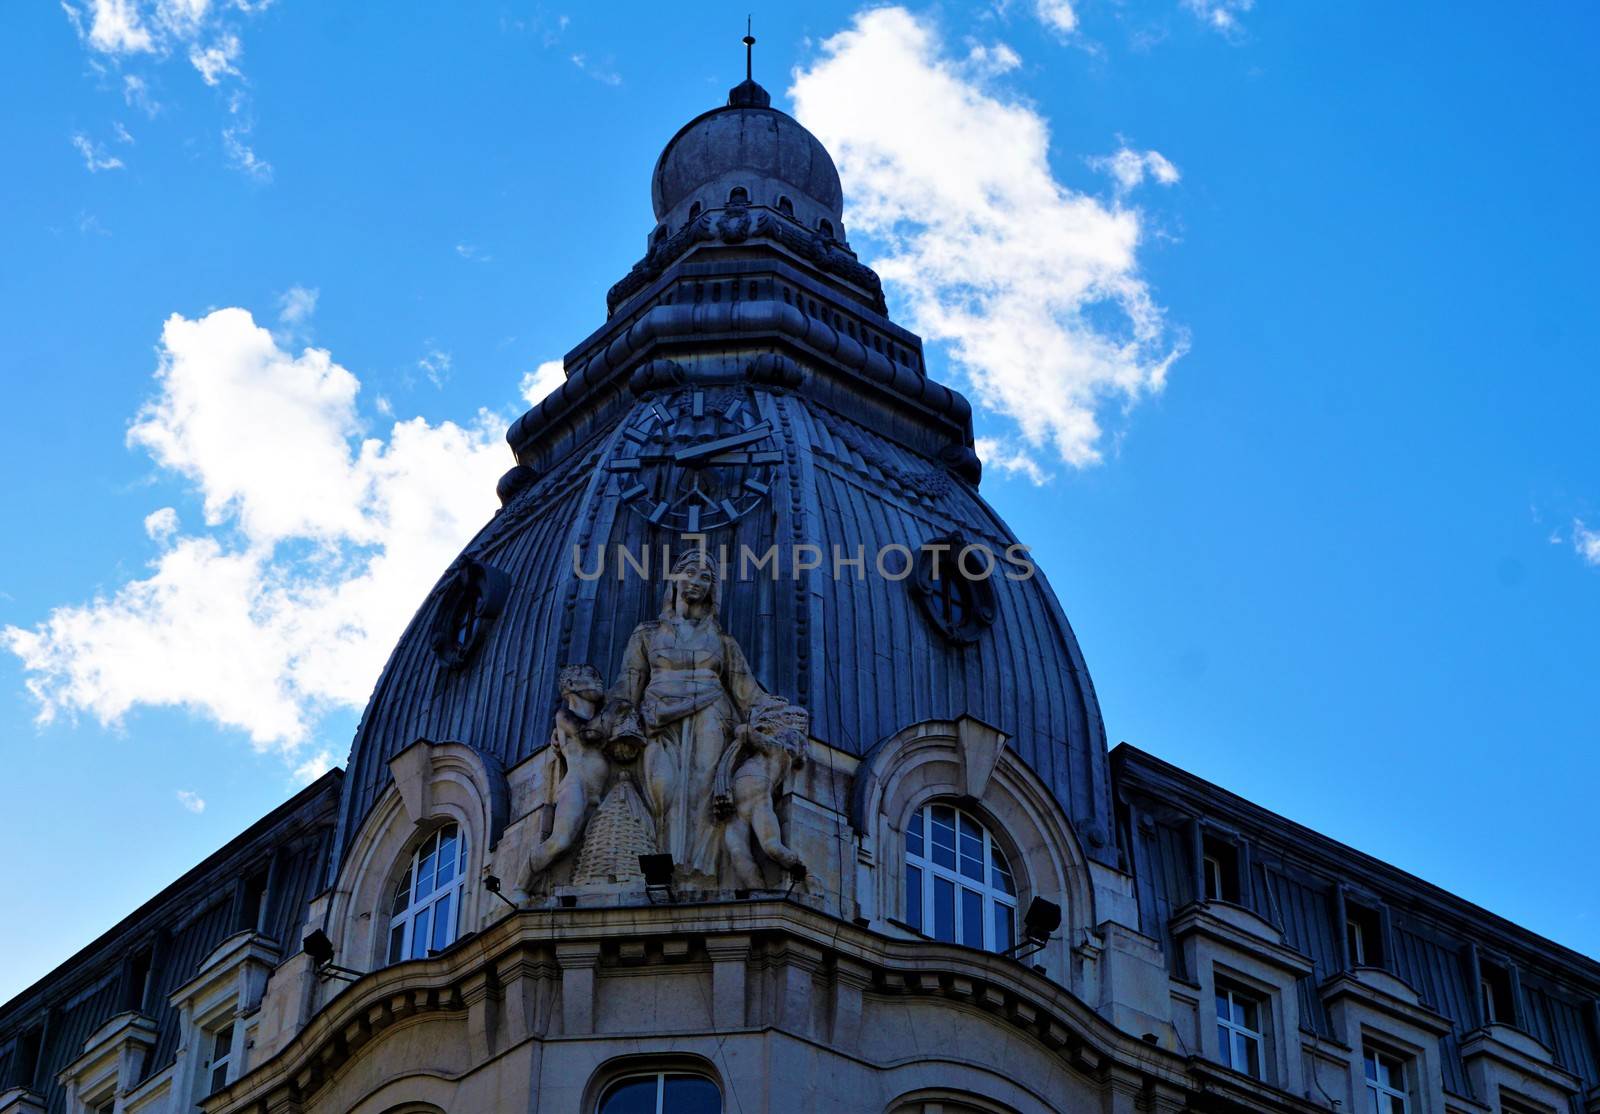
(692, 687)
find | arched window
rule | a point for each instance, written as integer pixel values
(738, 195)
(694, 211)
(661, 1093)
(425, 912)
(958, 884)
(786, 207)
(825, 226)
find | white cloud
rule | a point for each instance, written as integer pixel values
(192, 801)
(1129, 168)
(161, 524)
(1035, 288)
(95, 158)
(217, 60)
(472, 254)
(113, 27)
(151, 33)
(1220, 15)
(1587, 543)
(1058, 15)
(123, 135)
(604, 72)
(136, 92)
(297, 304)
(314, 767)
(319, 542)
(543, 379)
(435, 364)
(242, 157)
(996, 453)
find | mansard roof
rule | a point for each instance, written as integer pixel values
(1293, 876)
(286, 851)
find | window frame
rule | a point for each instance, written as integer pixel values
(660, 1075)
(991, 897)
(1377, 1088)
(405, 919)
(214, 1036)
(1229, 1029)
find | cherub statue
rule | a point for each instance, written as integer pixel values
(580, 737)
(753, 767)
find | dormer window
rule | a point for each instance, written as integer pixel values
(1363, 936)
(425, 912)
(1494, 994)
(738, 196)
(1219, 870)
(786, 207)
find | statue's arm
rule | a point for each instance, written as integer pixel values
(634, 673)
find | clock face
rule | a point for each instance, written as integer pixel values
(696, 460)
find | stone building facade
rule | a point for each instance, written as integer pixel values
(743, 762)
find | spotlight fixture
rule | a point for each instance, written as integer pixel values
(317, 945)
(1041, 919)
(491, 882)
(657, 871)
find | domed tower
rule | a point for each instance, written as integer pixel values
(748, 393)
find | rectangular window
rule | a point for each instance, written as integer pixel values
(221, 1052)
(1239, 1033)
(1220, 870)
(1363, 936)
(1494, 993)
(1386, 1082)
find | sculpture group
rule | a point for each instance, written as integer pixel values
(682, 755)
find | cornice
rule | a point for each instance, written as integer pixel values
(548, 940)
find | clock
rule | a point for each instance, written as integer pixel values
(696, 460)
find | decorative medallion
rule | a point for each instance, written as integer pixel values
(472, 598)
(696, 460)
(956, 587)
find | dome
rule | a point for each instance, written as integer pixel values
(749, 139)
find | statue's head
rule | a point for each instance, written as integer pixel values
(581, 680)
(694, 580)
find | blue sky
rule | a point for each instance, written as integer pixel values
(1282, 315)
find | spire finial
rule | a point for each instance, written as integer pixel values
(749, 51)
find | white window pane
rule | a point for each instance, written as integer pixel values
(419, 935)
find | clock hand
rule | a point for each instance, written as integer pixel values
(722, 444)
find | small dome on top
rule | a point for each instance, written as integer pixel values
(746, 136)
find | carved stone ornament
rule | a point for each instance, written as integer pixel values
(957, 593)
(684, 755)
(472, 598)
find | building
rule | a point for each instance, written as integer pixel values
(740, 763)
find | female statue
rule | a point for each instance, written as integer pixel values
(691, 687)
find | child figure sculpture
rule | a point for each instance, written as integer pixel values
(755, 764)
(579, 737)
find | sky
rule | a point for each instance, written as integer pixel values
(1278, 319)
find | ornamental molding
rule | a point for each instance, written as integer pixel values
(517, 980)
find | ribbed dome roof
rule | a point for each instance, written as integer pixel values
(746, 134)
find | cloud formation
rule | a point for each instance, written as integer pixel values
(95, 158)
(147, 33)
(1220, 15)
(192, 801)
(1035, 288)
(543, 379)
(1586, 542)
(318, 543)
